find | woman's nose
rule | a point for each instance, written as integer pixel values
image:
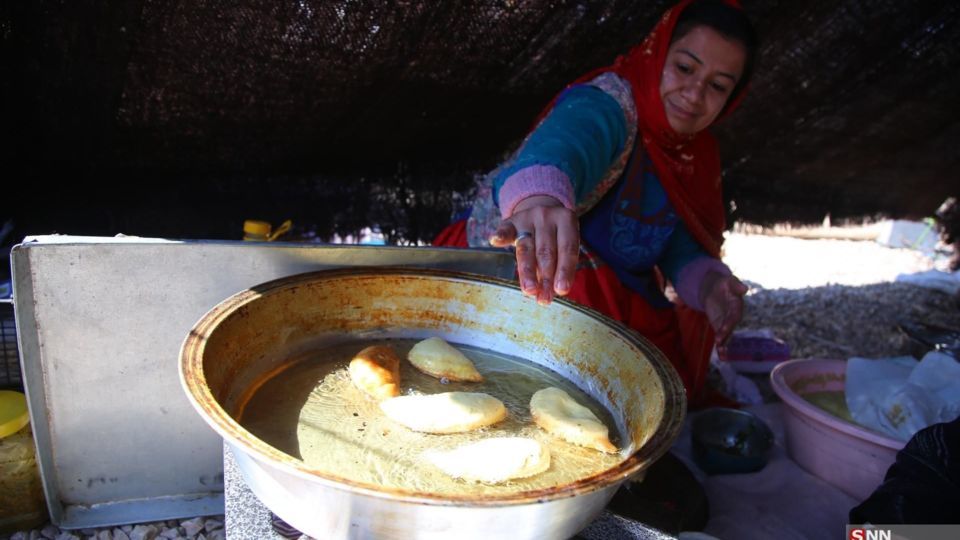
(695, 91)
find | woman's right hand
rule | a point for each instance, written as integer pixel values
(547, 257)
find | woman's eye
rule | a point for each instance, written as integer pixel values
(684, 68)
(718, 87)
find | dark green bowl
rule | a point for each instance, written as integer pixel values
(730, 441)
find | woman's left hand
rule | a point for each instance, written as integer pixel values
(723, 303)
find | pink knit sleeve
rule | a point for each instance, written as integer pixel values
(535, 180)
(691, 277)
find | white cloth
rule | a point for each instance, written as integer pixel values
(947, 282)
(900, 396)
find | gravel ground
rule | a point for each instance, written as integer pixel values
(836, 298)
(199, 528)
(827, 298)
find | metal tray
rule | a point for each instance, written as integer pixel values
(100, 323)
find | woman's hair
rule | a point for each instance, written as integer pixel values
(727, 20)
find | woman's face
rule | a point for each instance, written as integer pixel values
(699, 75)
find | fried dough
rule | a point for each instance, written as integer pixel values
(493, 460)
(561, 416)
(439, 359)
(450, 412)
(376, 371)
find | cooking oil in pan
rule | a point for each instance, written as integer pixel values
(312, 411)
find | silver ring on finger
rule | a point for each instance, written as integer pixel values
(522, 236)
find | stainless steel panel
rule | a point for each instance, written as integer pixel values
(100, 324)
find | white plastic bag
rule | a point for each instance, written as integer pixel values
(900, 396)
(736, 386)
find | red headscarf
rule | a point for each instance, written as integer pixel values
(688, 166)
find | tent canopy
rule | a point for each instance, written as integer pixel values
(853, 110)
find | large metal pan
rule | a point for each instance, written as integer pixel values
(251, 333)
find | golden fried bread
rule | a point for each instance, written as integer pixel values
(493, 460)
(438, 358)
(450, 412)
(559, 415)
(376, 371)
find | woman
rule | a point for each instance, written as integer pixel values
(617, 189)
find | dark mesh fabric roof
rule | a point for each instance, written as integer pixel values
(353, 112)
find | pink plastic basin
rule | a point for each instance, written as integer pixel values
(850, 457)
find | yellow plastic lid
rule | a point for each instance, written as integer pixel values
(13, 412)
(259, 228)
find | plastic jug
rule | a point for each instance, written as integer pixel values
(22, 505)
